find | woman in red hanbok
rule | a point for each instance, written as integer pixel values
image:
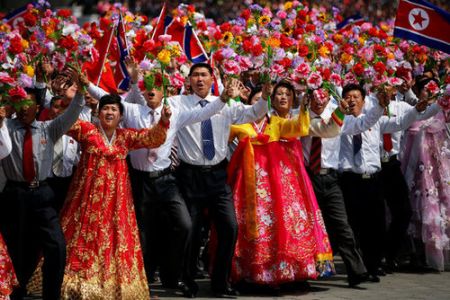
(104, 258)
(281, 235)
(7, 276)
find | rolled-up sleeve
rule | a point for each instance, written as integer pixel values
(5, 142)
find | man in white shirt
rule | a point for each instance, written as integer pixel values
(360, 163)
(322, 162)
(202, 150)
(164, 218)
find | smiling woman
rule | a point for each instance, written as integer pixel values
(104, 258)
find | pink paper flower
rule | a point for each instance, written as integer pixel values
(432, 88)
(314, 80)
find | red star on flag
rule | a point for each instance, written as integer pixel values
(418, 19)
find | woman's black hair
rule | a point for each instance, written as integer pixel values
(111, 99)
(285, 84)
(422, 82)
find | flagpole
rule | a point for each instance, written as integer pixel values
(159, 20)
(124, 33)
(198, 41)
(106, 55)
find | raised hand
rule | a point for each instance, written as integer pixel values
(384, 96)
(166, 113)
(267, 90)
(344, 107)
(133, 69)
(2, 115)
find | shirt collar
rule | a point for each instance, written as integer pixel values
(208, 98)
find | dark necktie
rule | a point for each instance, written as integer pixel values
(357, 144)
(207, 136)
(387, 139)
(315, 154)
(29, 172)
(152, 154)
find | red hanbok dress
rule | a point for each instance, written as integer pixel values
(7, 276)
(282, 237)
(104, 257)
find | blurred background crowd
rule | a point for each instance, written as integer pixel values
(223, 10)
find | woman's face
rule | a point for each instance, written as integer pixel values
(283, 99)
(255, 98)
(109, 116)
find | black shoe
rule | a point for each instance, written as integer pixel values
(170, 284)
(188, 290)
(226, 293)
(380, 272)
(355, 280)
(391, 266)
(373, 278)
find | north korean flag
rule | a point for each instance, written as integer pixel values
(424, 23)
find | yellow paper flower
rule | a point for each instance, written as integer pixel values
(263, 20)
(390, 55)
(129, 19)
(346, 58)
(28, 70)
(361, 40)
(288, 5)
(323, 51)
(273, 42)
(25, 44)
(238, 39)
(250, 22)
(164, 56)
(227, 37)
(184, 20)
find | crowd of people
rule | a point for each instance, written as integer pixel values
(294, 142)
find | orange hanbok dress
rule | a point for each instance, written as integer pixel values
(104, 258)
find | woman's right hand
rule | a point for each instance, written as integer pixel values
(267, 90)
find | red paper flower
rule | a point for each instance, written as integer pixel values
(64, 13)
(68, 43)
(30, 19)
(358, 69)
(16, 46)
(17, 93)
(303, 50)
(379, 67)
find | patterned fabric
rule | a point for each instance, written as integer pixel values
(207, 136)
(282, 237)
(426, 166)
(7, 276)
(104, 258)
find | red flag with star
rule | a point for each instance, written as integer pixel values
(424, 23)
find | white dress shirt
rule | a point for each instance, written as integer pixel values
(5, 142)
(139, 116)
(371, 135)
(329, 154)
(70, 158)
(190, 146)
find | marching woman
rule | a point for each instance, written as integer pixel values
(7, 276)
(104, 258)
(281, 236)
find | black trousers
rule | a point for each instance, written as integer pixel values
(30, 225)
(396, 195)
(164, 222)
(206, 188)
(60, 187)
(331, 202)
(366, 215)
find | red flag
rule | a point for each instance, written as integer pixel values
(423, 23)
(159, 28)
(99, 70)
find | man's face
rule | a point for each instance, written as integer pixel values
(26, 114)
(56, 109)
(201, 81)
(318, 103)
(153, 97)
(355, 102)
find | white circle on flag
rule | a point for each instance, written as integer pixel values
(418, 19)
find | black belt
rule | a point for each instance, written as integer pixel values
(35, 184)
(389, 159)
(205, 168)
(363, 176)
(156, 174)
(322, 171)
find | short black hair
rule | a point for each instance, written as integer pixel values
(54, 99)
(353, 87)
(201, 65)
(35, 92)
(254, 91)
(111, 99)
